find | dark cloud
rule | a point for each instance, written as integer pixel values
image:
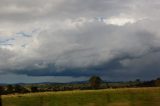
(65, 38)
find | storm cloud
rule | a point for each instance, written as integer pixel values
(116, 39)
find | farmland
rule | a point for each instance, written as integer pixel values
(106, 97)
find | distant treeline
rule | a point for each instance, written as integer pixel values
(94, 82)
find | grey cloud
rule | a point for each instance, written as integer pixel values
(70, 41)
(39, 10)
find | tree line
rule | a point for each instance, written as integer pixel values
(94, 82)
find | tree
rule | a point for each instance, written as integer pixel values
(10, 89)
(20, 89)
(2, 90)
(157, 82)
(0, 100)
(138, 80)
(34, 89)
(95, 82)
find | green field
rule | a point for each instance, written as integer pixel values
(108, 97)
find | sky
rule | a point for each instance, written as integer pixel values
(71, 40)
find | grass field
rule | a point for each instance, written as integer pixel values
(107, 97)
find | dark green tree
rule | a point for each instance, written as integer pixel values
(157, 82)
(95, 82)
(10, 89)
(20, 89)
(34, 89)
(2, 90)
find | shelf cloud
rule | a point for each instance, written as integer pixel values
(118, 40)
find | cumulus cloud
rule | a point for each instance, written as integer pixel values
(79, 38)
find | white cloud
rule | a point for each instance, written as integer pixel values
(120, 21)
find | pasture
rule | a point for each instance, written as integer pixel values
(105, 97)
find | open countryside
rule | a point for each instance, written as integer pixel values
(79, 52)
(94, 92)
(107, 97)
